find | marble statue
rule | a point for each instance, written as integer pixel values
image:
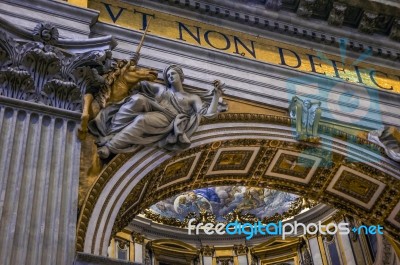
(162, 114)
(389, 139)
(307, 114)
(117, 84)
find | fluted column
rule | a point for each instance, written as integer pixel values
(39, 158)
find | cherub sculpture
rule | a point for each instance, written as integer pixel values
(307, 114)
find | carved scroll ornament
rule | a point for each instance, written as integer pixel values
(307, 115)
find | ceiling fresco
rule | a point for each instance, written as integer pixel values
(223, 200)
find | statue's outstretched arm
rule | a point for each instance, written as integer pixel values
(198, 104)
(218, 91)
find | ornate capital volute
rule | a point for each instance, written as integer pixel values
(240, 249)
(40, 71)
(207, 251)
(122, 243)
(137, 237)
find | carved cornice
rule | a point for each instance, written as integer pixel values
(324, 129)
(259, 19)
(336, 16)
(368, 22)
(86, 258)
(69, 44)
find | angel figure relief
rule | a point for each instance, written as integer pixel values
(307, 114)
(150, 113)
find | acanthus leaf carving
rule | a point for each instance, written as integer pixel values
(17, 84)
(86, 69)
(41, 72)
(42, 63)
(8, 51)
(61, 94)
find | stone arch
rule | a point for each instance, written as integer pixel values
(343, 170)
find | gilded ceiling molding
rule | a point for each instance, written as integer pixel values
(336, 161)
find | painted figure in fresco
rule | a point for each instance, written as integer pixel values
(164, 114)
(209, 194)
(190, 202)
(307, 114)
(252, 198)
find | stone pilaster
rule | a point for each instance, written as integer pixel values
(39, 183)
(42, 82)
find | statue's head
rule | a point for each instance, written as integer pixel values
(307, 103)
(173, 74)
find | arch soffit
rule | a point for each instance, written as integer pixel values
(343, 170)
